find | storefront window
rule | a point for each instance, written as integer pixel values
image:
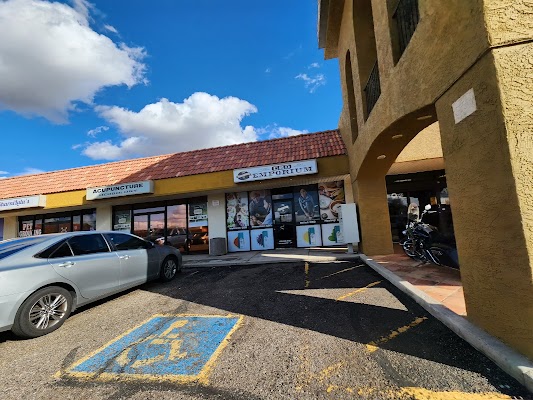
(57, 223)
(237, 211)
(260, 208)
(285, 217)
(89, 221)
(76, 223)
(184, 226)
(122, 220)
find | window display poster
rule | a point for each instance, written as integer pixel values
(262, 239)
(122, 221)
(237, 210)
(238, 241)
(306, 204)
(308, 236)
(198, 213)
(330, 196)
(283, 211)
(260, 209)
(332, 235)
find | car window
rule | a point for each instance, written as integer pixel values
(88, 244)
(62, 251)
(10, 247)
(127, 242)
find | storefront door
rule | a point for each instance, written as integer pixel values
(284, 230)
(149, 226)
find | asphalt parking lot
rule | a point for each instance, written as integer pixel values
(291, 331)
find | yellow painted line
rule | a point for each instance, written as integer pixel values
(358, 290)
(373, 346)
(307, 281)
(340, 272)
(425, 394)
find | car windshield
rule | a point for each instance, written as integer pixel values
(10, 247)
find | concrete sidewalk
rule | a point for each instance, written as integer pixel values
(317, 254)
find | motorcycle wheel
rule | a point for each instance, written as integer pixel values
(409, 249)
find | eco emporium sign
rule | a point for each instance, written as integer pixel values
(22, 202)
(119, 190)
(275, 171)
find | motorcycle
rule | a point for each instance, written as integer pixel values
(423, 242)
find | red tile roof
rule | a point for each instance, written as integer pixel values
(294, 148)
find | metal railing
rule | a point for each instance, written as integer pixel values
(372, 89)
(407, 17)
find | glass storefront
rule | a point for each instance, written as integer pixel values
(300, 216)
(81, 220)
(408, 195)
(179, 223)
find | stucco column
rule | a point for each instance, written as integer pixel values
(371, 198)
(104, 216)
(216, 212)
(488, 151)
(10, 227)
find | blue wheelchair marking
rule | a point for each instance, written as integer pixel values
(165, 345)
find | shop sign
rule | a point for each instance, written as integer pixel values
(275, 171)
(22, 202)
(119, 190)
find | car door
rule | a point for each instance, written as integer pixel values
(139, 260)
(88, 262)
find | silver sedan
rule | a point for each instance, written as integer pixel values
(44, 278)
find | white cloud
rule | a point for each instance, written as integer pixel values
(110, 28)
(200, 121)
(312, 82)
(50, 58)
(275, 132)
(25, 171)
(314, 65)
(97, 130)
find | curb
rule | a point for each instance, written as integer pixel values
(513, 363)
(215, 263)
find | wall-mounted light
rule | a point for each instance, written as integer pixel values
(397, 136)
(423, 117)
(381, 157)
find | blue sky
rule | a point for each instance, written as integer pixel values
(84, 82)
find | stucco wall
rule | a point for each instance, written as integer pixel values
(426, 69)
(424, 145)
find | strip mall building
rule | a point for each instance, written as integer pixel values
(262, 195)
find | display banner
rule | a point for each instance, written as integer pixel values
(330, 197)
(122, 221)
(332, 235)
(308, 236)
(237, 211)
(260, 206)
(238, 241)
(262, 239)
(274, 171)
(120, 189)
(22, 202)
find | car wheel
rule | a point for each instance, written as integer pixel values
(169, 269)
(43, 312)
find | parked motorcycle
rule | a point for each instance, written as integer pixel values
(423, 242)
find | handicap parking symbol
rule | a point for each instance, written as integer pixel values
(178, 348)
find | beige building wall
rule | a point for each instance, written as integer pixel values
(482, 46)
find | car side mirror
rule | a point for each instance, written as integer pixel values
(149, 245)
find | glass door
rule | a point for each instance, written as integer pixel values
(150, 227)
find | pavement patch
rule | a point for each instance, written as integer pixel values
(174, 348)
